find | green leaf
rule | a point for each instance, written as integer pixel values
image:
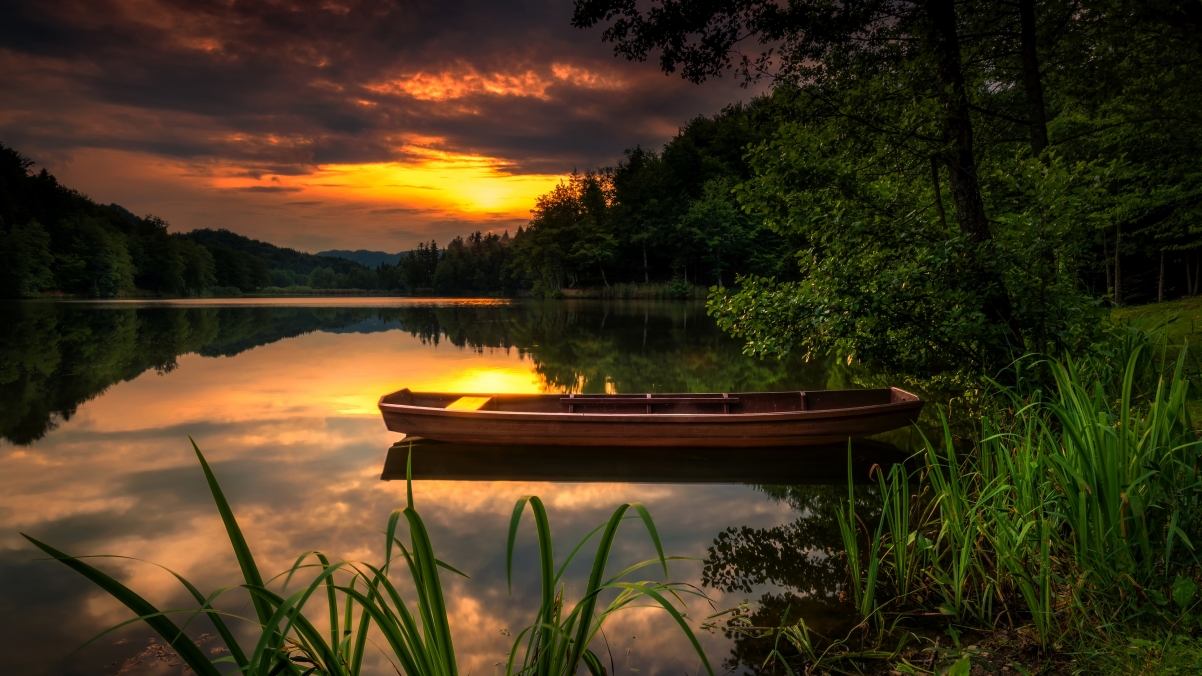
(960, 668)
(250, 571)
(1184, 590)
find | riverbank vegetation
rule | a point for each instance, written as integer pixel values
(1052, 531)
(1073, 517)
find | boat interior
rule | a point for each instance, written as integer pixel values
(756, 402)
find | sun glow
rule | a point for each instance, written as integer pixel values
(429, 180)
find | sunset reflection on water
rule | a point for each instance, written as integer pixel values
(291, 429)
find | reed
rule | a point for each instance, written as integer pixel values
(361, 598)
(1076, 510)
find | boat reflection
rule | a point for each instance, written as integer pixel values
(799, 465)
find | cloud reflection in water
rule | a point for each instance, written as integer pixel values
(282, 401)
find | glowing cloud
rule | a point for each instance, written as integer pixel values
(462, 80)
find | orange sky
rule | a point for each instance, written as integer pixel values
(325, 125)
(373, 205)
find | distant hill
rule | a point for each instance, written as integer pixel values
(371, 259)
(276, 257)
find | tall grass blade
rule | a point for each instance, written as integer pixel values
(246, 561)
(193, 656)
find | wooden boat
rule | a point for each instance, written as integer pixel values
(739, 420)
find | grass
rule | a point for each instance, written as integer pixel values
(1180, 322)
(1074, 517)
(362, 599)
(1182, 318)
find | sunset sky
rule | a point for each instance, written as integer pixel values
(327, 124)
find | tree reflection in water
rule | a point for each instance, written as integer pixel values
(55, 356)
(803, 560)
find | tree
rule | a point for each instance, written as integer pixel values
(200, 270)
(321, 278)
(156, 257)
(418, 266)
(568, 237)
(25, 260)
(715, 230)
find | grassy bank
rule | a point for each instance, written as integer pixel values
(1061, 538)
(1182, 318)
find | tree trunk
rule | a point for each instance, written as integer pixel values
(938, 192)
(646, 275)
(1118, 264)
(1197, 275)
(1031, 78)
(960, 158)
(1160, 286)
(1106, 264)
(603, 278)
(1189, 280)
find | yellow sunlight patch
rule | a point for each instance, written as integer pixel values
(467, 403)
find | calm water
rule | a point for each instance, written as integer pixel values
(98, 400)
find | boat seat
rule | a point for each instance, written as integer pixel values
(468, 403)
(643, 401)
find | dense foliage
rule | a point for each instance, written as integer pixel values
(958, 176)
(661, 215)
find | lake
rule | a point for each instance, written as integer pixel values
(98, 400)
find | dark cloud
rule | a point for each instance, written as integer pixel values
(294, 84)
(265, 189)
(397, 210)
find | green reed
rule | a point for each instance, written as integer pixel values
(1077, 508)
(362, 599)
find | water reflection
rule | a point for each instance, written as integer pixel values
(56, 356)
(822, 465)
(96, 400)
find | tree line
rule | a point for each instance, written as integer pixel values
(55, 239)
(657, 216)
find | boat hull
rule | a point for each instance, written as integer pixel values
(687, 429)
